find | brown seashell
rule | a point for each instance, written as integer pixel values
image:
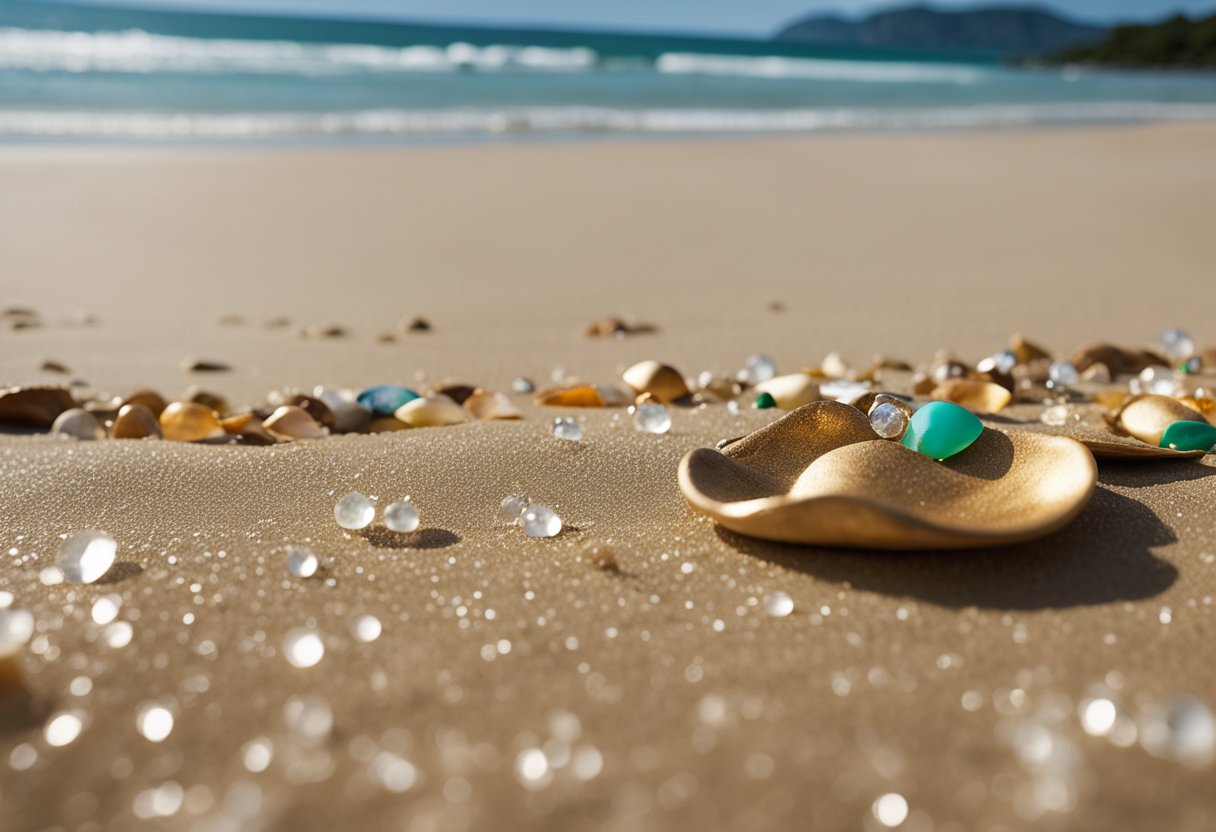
(1027, 351)
(790, 391)
(661, 381)
(980, 396)
(416, 325)
(438, 411)
(77, 423)
(386, 424)
(135, 421)
(199, 365)
(486, 405)
(249, 429)
(1107, 445)
(50, 366)
(457, 392)
(885, 363)
(34, 406)
(292, 422)
(330, 331)
(190, 422)
(205, 397)
(821, 476)
(579, 395)
(1118, 360)
(315, 408)
(1097, 373)
(1147, 416)
(148, 398)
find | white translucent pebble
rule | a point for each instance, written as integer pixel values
(16, 627)
(301, 562)
(154, 721)
(758, 368)
(365, 628)
(63, 728)
(532, 768)
(843, 391)
(119, 634)
(105, 609)
(393, 772)
(1178, 345)
(778, 604)
(402, 516)
(540, 521)
(51, 576)
(257, 754)
(309, 718)
(354, 511)
(303, 647)
(1181, 729)
(1055, 416)
(77, 424)
(567, 429)
(890, 809)
(1063, 373)
(523, 386)
(1098, 716)
(651, 418)
(513, 507)
(888, 421)
(87, 557)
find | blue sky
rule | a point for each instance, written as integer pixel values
(726, 16)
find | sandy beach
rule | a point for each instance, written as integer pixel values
(657, 689)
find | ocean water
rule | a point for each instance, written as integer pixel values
(82, 74)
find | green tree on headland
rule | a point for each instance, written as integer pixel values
(1176, 43)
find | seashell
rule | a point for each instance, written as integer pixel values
(51, 366)
(1118, 360)
(821, 476)
(1027, 351)
(386, 424)
(923, 384)
(790, 391)
(208, 399)
(190, 422)
(1146, 417)
(148, 398)
(486, 405)
(578, 395)
(384, 399)
(249, 428)
(661, 381)
(199, 365)
(416, 325)
(834, 366)
(431, 412)
(456, 392)
(315, 408)
(77, 423)
(329, 331)
(1097, 373)
(606, 328)
(291, 422)
(34, 406)
(135, 421)
(973, 394)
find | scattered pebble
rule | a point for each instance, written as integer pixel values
(77, 424)
(540, 521)
(650, 417)
(301, 562)
(567, 429)
(87, 557)
(402, 516)
(354, 511)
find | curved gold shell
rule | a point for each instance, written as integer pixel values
(821, 476)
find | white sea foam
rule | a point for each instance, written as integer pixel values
(569, 120)
(775, 67)
(135, 51)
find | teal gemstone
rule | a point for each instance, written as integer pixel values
(1189, 436)
(384, 399)
(764, 401)
(939, 430)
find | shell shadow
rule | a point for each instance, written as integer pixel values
(120, 571)
(430, 538)
(1102, 557)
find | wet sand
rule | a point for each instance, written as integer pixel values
(950, 679)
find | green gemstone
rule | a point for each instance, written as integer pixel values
(1189, 436)
(939, 430)
(764, 401)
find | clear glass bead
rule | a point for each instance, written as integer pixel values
(354, 511)
(1063, 373)
(512, 508)
(301, 562)
(778, 604)
(540, 521)
(650, 417)
(566, 428)
(1156, 379)
(402, 516)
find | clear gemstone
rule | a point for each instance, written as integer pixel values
(1178, 345)
(87, 557)
(303, 647)
(1063, 373)
(540, 521)
(301, 562)
(309, 718)
(650, 417)
(354, 511)
(365, 628)
(154, 721)
(778, 604)
(1056, 416)
(402, 516)
(567, 429)
(513, 507)
(888, 421)
(1155, 379)
(758, 368)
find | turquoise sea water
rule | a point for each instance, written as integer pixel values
(88, 74)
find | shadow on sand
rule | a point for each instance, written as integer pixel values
(383, 538)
